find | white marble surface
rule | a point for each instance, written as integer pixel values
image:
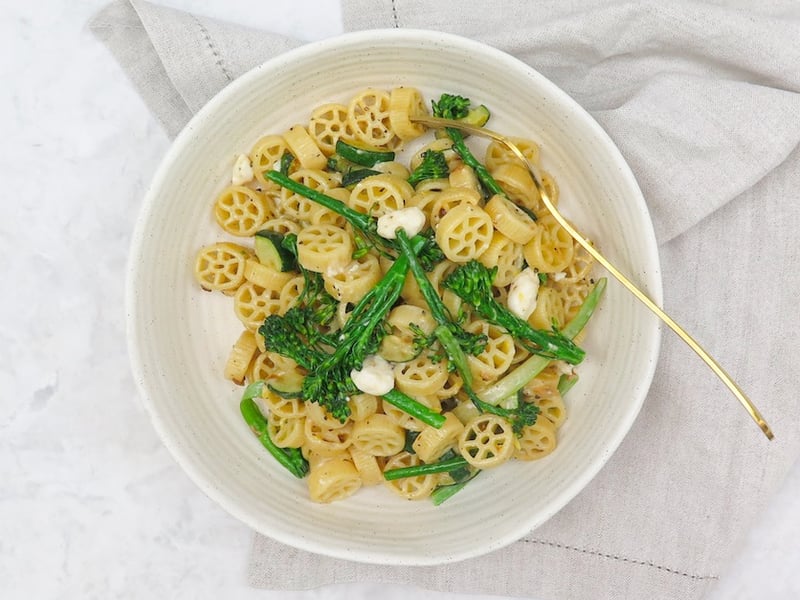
(91, 503)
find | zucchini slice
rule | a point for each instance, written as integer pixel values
(270, 251)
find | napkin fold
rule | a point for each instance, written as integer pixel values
(703, 101)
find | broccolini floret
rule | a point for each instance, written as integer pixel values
(433, 166)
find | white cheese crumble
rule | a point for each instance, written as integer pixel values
(242, 170)
(411, 219)
(558, 276)
(523, 292)
(375, 377)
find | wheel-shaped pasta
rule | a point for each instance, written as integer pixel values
(241, 211)
(380, 194)
(350, 283)
(398, 345)
(285, 408)
(518, 185)
(264, 276)
(420, 376)
(553, 409)
(498, 153)
(378, 435)
(431, 442)
(221, 266)
(368, 117)
(266, 156)
(324, 247)
(286, 432)
(281, 225)
(506, 255)
(405, 103)
(242, 353)
(252, 304)
(551, 249)
(268, 364)
(486, 441)
(325, 441)
(300, 208)
(333, 480)
(328, 125)
(411, 488)
(320, 415)
(496, 357)
(368, 467)
(392, 167)
(536, 441)
(321, 215)
(290, 293)
(448, 199)
(442, 144)
(304, 148)
(463, 176)
(451, 387)
(464, 233)
(549, 310)
(510, 220)
(363, 406)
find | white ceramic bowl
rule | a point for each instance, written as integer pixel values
(179, 336)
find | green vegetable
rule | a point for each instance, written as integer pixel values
(366, 157)
(291, 458)
(433, 166)
(472, 282)
(352, 177)
(414, 408)
(445, 492)
(530, 368)
(286, 162)
(458, 108)
(565, 383)
(297, 336)
(271, 251)
(442, 466)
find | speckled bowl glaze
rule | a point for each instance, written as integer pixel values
(179, 336)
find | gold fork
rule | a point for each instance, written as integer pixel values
(644, 298)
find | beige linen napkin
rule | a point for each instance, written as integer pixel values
(703, 99)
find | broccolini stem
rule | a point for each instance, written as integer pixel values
(291, 458)
(358, 220)
(443, 466)
(460, 147)
(414, 408)
(530, 368)
(445, 492)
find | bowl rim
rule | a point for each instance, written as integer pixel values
(139, 239)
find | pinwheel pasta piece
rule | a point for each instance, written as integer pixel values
(368, 117)
(328, 125)
(420, 376)
(281, 225)
(324, 247)
(350, 283)
(290, 293)
(496, 357)
(551, 249)
(463, 176)
(367, 466)
(286, 432)
(406, 421)
(464, 233)
(333, 480)
(378, 435)
(282, 407)
(240, 357)
(443, 144)
(405, 103)
(242, 211)
(518, 185)
(506, 255)
(264, 276)
(266, 156)
(549, 310)
(398, 345)
(325, 441)
(510, 220)
(411, 488)
(498, 153)
(363, 406)
(252, 304)
(486, 441)
(304, 148)
(432, 442)
(221, 267)
(447, 199)
(380, 194)
(297, 207)
(536, 441)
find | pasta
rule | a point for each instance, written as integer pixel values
(300, 205)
